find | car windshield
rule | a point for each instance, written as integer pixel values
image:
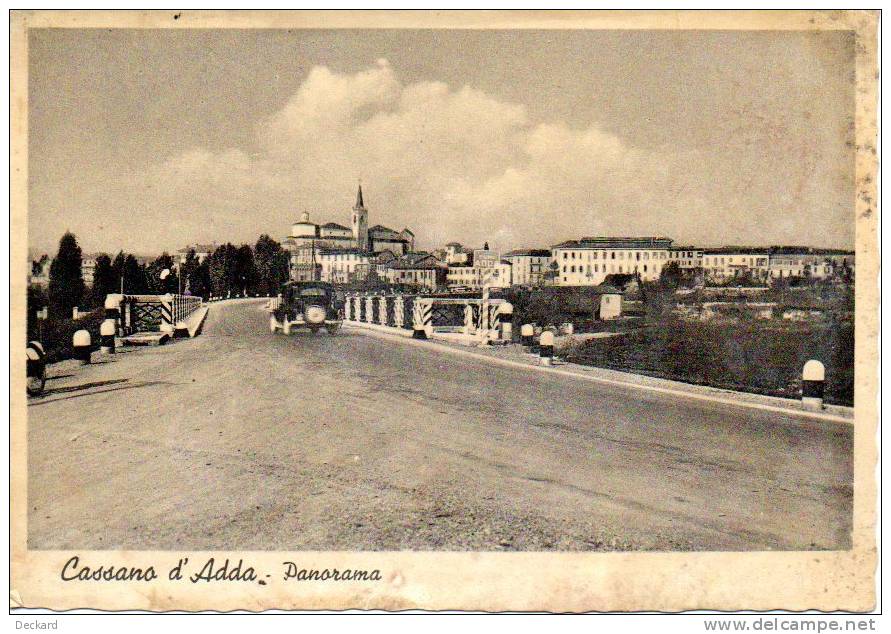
(313, 292)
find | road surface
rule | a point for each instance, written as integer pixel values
(244, 440)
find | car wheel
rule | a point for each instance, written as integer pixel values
(314, 330)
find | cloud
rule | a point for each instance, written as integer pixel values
(452, 163)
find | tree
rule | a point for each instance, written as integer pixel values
(66, 283)
(134, 276)
(221, 268)
(670, 276)
(552, 273)
(156, 285)
(187, 268)
(130, 275)
(244, 274)
(105, 280)
(199, 280)
(271, 264)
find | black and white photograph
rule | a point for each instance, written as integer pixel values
(423, 286)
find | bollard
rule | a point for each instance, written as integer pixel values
(507, 326)
(81, 345)
(527, 335)
(813, 377)
(546, 348)
(167, 314)
(113, 310)
(107, 332)
(420, 315)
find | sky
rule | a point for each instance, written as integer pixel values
(149, 140)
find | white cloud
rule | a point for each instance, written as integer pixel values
(451, 163)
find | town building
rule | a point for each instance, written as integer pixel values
(309, 244)
(454, 253)
(688, 258)
(529, 267)
(806, 262)
(38, 271)
(416, 269)
(342, 265)
(725, 263)
(587, 262)
(473, 277)
(610, 306)
(202, 252)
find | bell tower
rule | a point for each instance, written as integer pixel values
(360, 222)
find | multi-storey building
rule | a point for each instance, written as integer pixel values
(454, 253)
(725, 263)
(341, 265)
(308, 240)
(529, 267)
(493, 275)
(687, 257)
(202, 252)
(586, 262)
(796, 261)
(416, 269)
(88, 268)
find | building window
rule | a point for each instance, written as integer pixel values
(645, 268)
(565, 255)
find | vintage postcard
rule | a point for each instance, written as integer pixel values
(495, 311)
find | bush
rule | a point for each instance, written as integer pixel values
(55, 334)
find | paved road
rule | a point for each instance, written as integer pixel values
(239, 439)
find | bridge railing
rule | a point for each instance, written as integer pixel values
(147, 313)
(426, 316)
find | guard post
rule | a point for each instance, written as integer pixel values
(527, 336)
(107, 331)
(546, 348)
(81, 346)
(113, 311)
(507, 326)
(813, 380)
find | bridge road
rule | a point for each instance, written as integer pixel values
(240, 439)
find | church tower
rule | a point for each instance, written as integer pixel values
(360, 222)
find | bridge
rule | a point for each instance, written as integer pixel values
(368, 440)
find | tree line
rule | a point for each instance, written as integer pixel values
(230, 271)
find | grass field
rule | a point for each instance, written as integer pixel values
(750, 357)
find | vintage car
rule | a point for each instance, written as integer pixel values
(313, 305)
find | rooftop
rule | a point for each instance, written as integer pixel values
(743, 250)
(646, 242)
(540, 253)
(340, 251)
